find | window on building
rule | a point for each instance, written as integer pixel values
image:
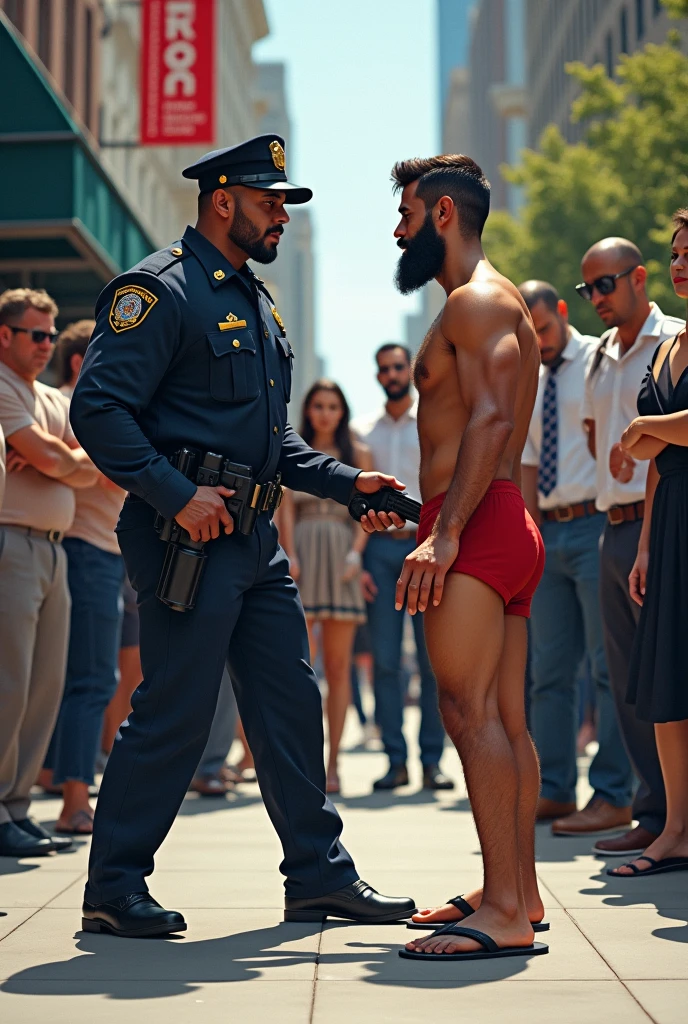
(70, 33)
(14, 9)
(45, 25)
(623, 30)
(639, 19)
(609, 55)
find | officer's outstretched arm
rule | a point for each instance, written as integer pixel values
(135, 339)
(304, 469)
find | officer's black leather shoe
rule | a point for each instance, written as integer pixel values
(14, 842)
(32, 828)
(395, 777)
(135, 916)
(355, 902)
(433, 778)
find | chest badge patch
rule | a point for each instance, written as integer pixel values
(278, 318)
(130, 307)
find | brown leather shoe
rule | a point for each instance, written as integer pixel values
(548, 809)
(598, 817)
(634, 842)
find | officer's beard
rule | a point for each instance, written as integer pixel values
(248, 238)
(423, 257)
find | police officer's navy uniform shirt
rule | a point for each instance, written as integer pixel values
(189, 351)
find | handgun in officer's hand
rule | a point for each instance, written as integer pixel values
(203, 516)
(398, 507)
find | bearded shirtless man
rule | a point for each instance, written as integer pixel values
(480, 555)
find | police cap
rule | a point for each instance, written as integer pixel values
(258, 163)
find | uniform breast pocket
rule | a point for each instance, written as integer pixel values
(286, 364)
(233, 369)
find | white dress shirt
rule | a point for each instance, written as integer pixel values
(575, 465)
(394, 445)
(611, 396)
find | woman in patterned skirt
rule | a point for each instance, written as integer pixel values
(324, 546)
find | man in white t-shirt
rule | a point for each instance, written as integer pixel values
(44, 466)
(391, 433)
(614, 281)
(558, 474)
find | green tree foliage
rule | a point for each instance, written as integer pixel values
(626, 178)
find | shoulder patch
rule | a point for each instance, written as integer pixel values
(130, 307)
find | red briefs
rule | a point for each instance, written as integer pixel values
(500, 545)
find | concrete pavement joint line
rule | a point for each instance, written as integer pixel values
(636, 1000)
(17, 926)
(311, 1011)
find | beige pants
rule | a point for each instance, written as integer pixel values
(34, 633)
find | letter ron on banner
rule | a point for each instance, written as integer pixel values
(178, 72)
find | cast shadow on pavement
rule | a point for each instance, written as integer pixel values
(383, 800)
(179, 966)
(194, 804)
(668, 893)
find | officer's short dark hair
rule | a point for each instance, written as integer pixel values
(540, 291)
(389, 345)
(72, 341)
(453, 175)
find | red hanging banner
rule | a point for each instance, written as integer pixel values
(177, 72)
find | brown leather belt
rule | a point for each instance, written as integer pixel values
(619, 514)
(566, 513)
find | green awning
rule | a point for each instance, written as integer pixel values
(64, 226)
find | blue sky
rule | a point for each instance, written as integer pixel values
(361, 81)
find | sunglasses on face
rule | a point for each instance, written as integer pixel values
(605, 285)
(36, 333)
(397, 367)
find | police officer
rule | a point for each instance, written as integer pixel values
(189, 350)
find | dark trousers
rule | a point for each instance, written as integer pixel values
(248, 614)
(620, 616)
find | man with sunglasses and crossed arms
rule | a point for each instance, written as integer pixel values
(614, 280)
(44, 466)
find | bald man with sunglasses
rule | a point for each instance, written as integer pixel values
(614, 281)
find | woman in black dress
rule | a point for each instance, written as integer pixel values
(658, 677)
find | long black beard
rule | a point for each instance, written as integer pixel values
(247, 237)
(423, 258)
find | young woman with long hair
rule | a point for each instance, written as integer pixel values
(324, 547)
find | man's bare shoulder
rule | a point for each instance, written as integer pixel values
(480, 308)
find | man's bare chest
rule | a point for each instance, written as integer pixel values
(435, 360)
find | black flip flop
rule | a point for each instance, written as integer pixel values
(490, 951)
(659, 867)
(466, 909)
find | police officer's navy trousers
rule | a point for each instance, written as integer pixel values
(249, 614)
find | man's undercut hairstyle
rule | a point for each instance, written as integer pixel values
(680, 221)
(540, 291)
(73, 341)
(15, 302)
(389, 345)
(452, 175)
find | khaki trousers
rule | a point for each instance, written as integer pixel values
(34, 633)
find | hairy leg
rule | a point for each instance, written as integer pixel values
(338, 642)
(511, 701)
(672, 747)
(465, 637)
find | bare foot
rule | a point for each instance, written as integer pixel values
(332, 785)
(505, 932)
(664, 846)
(448, 912)
(80, 823)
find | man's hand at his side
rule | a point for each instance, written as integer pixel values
(369, 483)
(424, 572)
(202, 516)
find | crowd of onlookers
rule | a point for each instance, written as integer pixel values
(606, 633)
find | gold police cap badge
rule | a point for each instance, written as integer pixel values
(278, 157)
(278, 318)
(130, 307)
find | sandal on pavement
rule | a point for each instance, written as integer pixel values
(657, 867)
(466, 909)
(80, 824)
(490, 951)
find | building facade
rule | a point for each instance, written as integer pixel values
(591, 31)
